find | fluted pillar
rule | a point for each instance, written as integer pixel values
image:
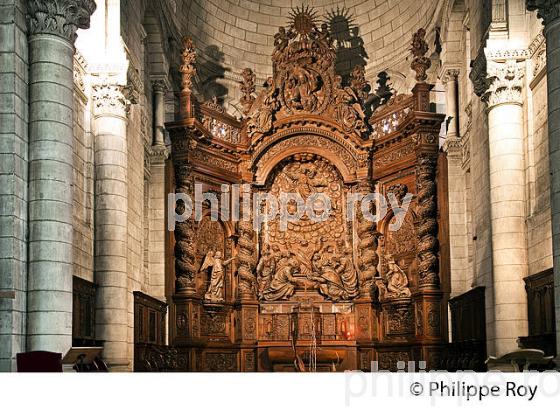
(111, 210)
(549, 11)
(52, 32)
(507, 204)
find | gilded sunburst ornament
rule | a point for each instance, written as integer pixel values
(303, 20)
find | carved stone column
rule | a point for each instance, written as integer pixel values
(52, 32)
(456, 184)
(159, 88)
(450, 79)
(507, 203)
(549, 11)
(111, 211)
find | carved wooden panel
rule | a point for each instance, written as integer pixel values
(541, 314)
(223, 361)
(468, 315)
(389, 360)
(149, 319)
(83, 312)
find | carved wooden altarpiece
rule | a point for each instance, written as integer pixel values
(327, 295)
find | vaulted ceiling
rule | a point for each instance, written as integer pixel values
(233, 34)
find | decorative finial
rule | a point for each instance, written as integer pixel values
(188, 69)
(247, 89)
(420, 63)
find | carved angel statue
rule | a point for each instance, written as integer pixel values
(215, 292)
(282, 38)
(397, 282)
(348, 110)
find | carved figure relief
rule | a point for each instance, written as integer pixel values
(304, 80)
(215, 292)
(307, 254)
(395, 283)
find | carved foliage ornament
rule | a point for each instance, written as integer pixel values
(506, 83)
(185, 249)
(110, 99)
(188, 69)
(247, 90)
(420, 63)
(59, 17)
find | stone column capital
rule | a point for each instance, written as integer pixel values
(450, 75)
(548, 10)
(110, 99)
(158, 154)
(59, 17)
(160, 86)
(505, 83)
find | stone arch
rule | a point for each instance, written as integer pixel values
(310, 140)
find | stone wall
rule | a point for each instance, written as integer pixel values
(231, 35)
(513, 32)
(13, 180)
(83, 176)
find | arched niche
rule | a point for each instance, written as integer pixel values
(214, 235)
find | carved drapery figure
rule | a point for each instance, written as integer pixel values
(333, 274)
(265, 269)
(395, 283)
(283, 284)
(347, 107)
(262, 111)
(215, 292)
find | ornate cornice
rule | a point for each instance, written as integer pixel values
(505, 83)
(59, 17)
(548, 10)
(110, 99)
